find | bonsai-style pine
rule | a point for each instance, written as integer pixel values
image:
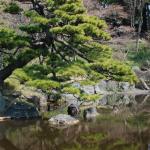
(68, 43)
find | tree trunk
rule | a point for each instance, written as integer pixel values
(140, 25)
(7, 71)
(54, 77)
(138, 36)
(19, 63)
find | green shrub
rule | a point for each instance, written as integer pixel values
(73, 70)
(36, 71)
(12, 8)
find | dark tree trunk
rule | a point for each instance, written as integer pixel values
(54, 77)
(7, 71)
(19, 63)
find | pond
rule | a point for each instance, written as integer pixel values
(128, 129)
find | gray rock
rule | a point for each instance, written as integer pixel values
(76, 84)
(63, 120)
(102, 85)
(97, 89)
(70, 99)
(89, 89)
(35, 96)
(112, 86)
(126, 86)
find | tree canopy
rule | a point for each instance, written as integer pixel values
(65, 40)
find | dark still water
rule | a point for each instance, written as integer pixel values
(125, 129)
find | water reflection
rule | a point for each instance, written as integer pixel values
(127, 130)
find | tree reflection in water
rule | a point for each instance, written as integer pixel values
(127, 130)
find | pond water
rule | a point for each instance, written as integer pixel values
(128, 129)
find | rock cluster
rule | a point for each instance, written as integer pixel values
(103, 87)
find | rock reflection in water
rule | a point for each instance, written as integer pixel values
(127, 130)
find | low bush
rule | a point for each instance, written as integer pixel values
(12, 8)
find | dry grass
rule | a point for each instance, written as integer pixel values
(12, 20)
(95, 9)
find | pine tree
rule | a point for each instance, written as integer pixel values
(71, 42)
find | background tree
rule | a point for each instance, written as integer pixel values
(136, 11)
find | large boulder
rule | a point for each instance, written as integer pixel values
(112, 86)
(73, 110)
(88, 89)
(21, 110)
(70, 99)
(37, 97)
(63, 120)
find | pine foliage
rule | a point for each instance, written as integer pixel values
(70, 43)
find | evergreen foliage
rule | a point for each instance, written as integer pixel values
(10, 40)
(71, 90)
(21, 75)
(45, 85)
(70, 36)
(11, 44)
(69, 44)
(114, 71)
